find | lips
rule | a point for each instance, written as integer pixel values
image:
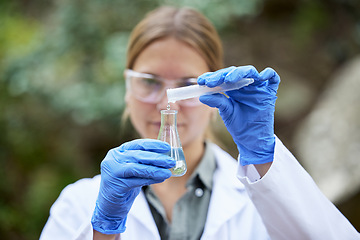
(156, 124)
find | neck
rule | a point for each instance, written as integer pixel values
(193, 153)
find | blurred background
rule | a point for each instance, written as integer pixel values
(61, 91)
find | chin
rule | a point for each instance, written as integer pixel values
(152, 132)
(152, 135)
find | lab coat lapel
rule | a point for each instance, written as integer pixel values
(226, 195)
(141, 212)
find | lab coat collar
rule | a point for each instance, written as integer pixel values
(227, 193)
(141, 211)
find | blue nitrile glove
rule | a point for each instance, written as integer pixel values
(124, 171)
(248, 113)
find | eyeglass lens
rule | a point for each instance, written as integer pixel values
(152, 89)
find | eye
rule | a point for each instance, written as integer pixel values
(150, 82)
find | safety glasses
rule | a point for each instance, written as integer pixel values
(151, 89)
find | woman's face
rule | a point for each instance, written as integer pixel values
(169, 59)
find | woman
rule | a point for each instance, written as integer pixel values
(135, 198)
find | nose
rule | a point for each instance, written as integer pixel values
(164, 103)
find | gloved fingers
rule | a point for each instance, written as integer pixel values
(150, 158)
(252, 97)
(219, 101)
(143, 171)
(261, 92)
(270, 75)
(151, 145)
(230, 74)
(132, 183)
(115, 160)
(213, 79)
(241, 72)
(127, 178)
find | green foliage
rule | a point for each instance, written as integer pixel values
(62, 94)
(77, 61)
(220, 12)
(62, 91)
(311, 18)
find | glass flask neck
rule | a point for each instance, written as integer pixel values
(168, 117)
(168, 129)
(168, 133)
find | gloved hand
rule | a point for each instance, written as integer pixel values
(124, 171)
(248, 113)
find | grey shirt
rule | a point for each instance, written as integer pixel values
(190, 211)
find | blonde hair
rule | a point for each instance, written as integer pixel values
(184, 24)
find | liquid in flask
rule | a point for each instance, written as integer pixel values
(168, 133)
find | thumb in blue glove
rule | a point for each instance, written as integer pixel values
(124, 171)
(248, 112)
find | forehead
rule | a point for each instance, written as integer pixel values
(170, 58)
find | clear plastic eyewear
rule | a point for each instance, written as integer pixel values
(151, 89)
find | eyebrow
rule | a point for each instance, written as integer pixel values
(182, 78)
(157, 76)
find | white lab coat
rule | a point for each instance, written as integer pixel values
(284, 204)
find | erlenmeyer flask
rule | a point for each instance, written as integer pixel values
(168, 133)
